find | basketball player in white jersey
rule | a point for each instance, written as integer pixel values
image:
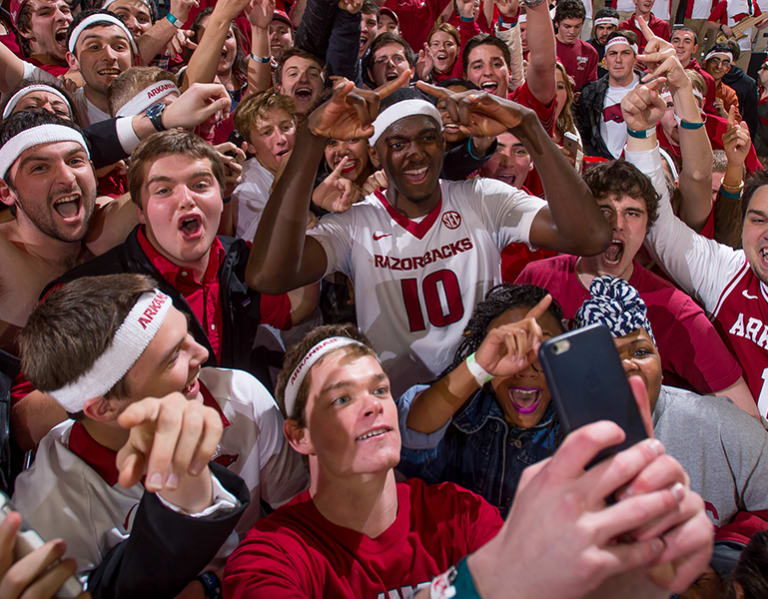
(423, 252)
(731, 284)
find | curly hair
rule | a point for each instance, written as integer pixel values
(619, 178)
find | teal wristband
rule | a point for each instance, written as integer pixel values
(464, 583)
(467, 19)
(642, 134)
(689, 125)
(174, 21)
(259, 59)
(729, 195)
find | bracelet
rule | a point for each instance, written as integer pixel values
(480, 374)
(211, 584)
(174, 21)
(259, 59)
(470, 152)
(642, 134)
(502, 24)
(690, 125)
(467, 19)
(732, 191)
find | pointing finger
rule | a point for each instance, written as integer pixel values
(540, 308)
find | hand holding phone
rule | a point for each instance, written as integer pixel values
(587, 383)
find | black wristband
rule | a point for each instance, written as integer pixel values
(211, 584)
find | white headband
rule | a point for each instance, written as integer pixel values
(313, 355)
(399, 111)
(105, 20)
(146, 97)
(620, 39)
(28, 90)
(42, 134)
(144, 2)
(719, 53)
(130, 341)
(607, 21)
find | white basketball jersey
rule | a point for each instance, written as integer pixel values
(417, 283)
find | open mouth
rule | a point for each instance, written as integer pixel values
(193, 386)
(614, 252)
(303, 93)
(509, 179)
(377, 432)
(279, 155)
(351, 165)
(191, 226)
(524, 399)
(764, 256)
(109, 72)
(68, 207)
(490, 87)
(416, 175)
(60, 35)
(391, 75)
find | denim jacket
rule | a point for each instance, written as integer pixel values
(477, 449)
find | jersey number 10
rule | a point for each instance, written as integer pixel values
(441, 311)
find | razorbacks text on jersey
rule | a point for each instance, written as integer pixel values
(417, 281)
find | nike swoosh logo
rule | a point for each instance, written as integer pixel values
(745, 294)
(381, 236)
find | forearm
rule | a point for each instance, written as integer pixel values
(303, 302)
(202, 64)
(432, 408)
(297, 11)
(541, 53)
(696, 174)
(259, 73)
(274, 263)
(32, 417)
(565, 192)
(11, 69)
(728, 215)
(154, 41)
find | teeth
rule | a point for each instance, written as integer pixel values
(488, 85)
(375, 433)
(416, 172)
(70, 198)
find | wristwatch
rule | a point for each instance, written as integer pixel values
(155, 115)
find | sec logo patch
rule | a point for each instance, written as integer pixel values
(451, 219)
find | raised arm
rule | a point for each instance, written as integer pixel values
(11, 69)
(504, 352)
(259, 13)
(554, 227)
(696, 174)
(541, 53)
(736, 143)
(202, 64)
(157, 37)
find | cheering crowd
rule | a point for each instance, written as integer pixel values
(274, 276)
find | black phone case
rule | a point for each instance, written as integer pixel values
(588, 383)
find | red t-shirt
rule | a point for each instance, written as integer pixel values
(545, 112)
(417, 17)
(204, 297)
(56, 70)
(580, 61)
(660, 28)
(296, 552)
(690, 348)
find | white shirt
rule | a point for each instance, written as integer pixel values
(417, 284)
(62, 495)
(615, 134)
(251, 197)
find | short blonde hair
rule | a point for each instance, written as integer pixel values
(256, 106)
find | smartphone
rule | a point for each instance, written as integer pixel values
(571, 142)
(587, 383)
(27, 540)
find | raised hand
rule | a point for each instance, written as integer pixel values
(377, 180)
(351, 6)
(171, 439)
(643, 107)
(508, 8)
(336, 193)
(665, 64)
(181, 41)
(233, 159)
(477, 113)
(425, 62)
(508, 349)
(653, 43)
(196, 105)
(181, 8)
(259, 13)
(466, 8)
(736, 140)
(350, 112)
